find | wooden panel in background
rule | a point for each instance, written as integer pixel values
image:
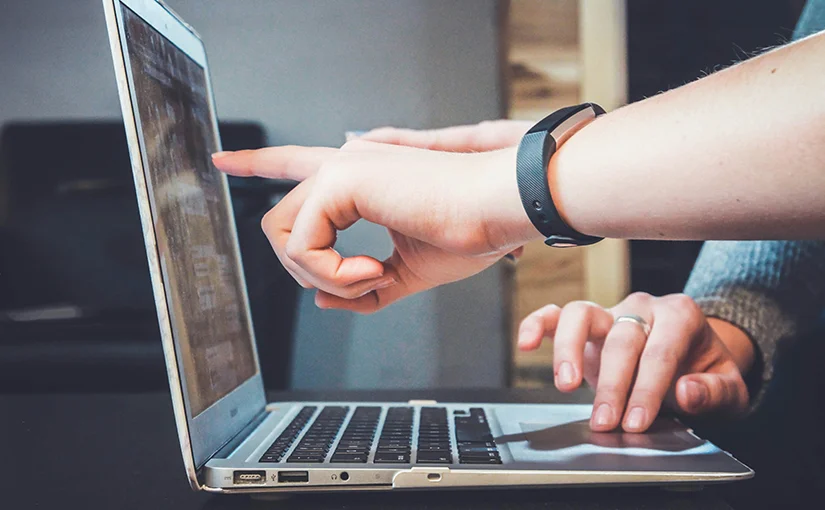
(558, 53)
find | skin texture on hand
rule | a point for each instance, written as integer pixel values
(689, 363)
(434, 204)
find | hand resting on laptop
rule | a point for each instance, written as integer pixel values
(690, 363)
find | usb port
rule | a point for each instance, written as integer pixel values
(293, 476)
(249, 477)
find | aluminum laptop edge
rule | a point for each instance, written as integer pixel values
(230, 439)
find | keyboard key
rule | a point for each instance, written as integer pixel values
(394, 450)
(434, 447)
(479, 455)
(341, 457)
(434, 458)
(305, 458)
(466, 448)
(480, 461)
(391, 458)
(472, 435)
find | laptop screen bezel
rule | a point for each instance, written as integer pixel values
(202, 435)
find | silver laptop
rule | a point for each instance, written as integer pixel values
(231, 439)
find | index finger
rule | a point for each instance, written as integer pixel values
(291, 162)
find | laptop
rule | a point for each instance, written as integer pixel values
(231, 439)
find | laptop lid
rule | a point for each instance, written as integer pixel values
(188, 226)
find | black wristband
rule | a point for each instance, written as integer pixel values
(534, 153)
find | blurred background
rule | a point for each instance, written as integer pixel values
(76, 310)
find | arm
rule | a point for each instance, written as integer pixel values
(739, 154)
(769, 291)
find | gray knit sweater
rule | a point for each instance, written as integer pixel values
(773, 290)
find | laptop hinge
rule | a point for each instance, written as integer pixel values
(231, 445)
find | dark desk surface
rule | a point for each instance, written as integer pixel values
(120, 451)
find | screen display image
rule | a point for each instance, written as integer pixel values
(201, 269)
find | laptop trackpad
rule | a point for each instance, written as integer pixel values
(560, 433)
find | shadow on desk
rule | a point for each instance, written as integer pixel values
(517, 499)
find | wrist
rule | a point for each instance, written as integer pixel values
(736, 341)
(563, 170)
(507, 224)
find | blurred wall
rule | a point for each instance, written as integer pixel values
(310, 70)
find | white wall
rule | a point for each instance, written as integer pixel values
(309, 70)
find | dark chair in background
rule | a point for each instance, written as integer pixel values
(76, 305)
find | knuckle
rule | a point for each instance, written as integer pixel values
(638, 299)
(355, 145)
(269, 220)
(579, 308)
(294, 251)
(531, 322)
(683, 304)
(546, 310)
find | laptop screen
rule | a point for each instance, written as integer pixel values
(195, 237)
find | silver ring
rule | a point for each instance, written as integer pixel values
(636, 320)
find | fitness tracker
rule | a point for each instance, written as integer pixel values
(534, 153)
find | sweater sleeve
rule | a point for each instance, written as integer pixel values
(772, 290)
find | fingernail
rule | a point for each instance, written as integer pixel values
(697, 394)
(566, 374)
(383, 284)
(219, 155)
(604, 415)
(318, 302)
(636, 418)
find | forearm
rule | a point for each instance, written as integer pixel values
(739, 154)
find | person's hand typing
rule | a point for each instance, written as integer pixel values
(449, 215)
(691, 363)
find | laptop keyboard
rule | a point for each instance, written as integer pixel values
(317, 441)
(356, 443)
(434, 444)
(281, 445)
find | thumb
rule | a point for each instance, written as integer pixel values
(722, 392)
